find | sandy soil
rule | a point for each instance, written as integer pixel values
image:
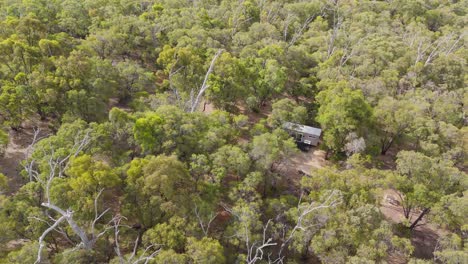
(299, 165)
(207, 107)
(307, 161)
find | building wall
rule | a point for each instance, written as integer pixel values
(314, 140)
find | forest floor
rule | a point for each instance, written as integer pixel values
(16, 151)
(302, 163)
(306, 161)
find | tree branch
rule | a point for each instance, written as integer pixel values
(204, 86)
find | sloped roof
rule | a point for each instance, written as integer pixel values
(304, 129)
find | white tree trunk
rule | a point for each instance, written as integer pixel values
(194, 104)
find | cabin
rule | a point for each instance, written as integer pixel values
(303, 134)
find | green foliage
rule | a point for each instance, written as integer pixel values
(75, 257)
(84, 173)
(170, 257)
(286, 110)
(206, 250)
(270, 149)
(171, 235)
(86, 177)
(228, 83)
(230, 160)
(3, 141)
(111, 84)
(424, 181)
(451, 249)
(147, 131)
(394, 118)
(3, 183)
(451, 211)
(157, 187)
(341, 112)
(27, 254)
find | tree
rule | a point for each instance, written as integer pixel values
(86, 179)
(51, 174)
(12, 97)
(134, 80)
(84, 85)
(148, 132)
(227, 84)
(393, 118)
(171, 235)
(271, 79)
(230, 160)
(207, 250)
(73, 18)
(341, 112)
(286, 110)
(170, 257)
(355, 230)
(270, 150)
(451, 211)
(27, 254)
(3, 142)
(157, 188)
(450, 249)
(422, 182)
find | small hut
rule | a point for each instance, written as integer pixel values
(303, 134)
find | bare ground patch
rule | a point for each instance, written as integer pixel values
(10, 163)
(303, 163)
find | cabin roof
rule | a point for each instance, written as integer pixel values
(302, 128)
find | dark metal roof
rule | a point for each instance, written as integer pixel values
(302, 128)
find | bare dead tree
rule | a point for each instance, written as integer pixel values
(349, 50)
(298, 33)
(56, 167)
(333, 199)
(204, 227)
(173, 72)
(337, 22)
(428, 50)
(272, 14)
(266, 242)
(194, 102)
(238, 17)
(144, 257)
(286, 23)
(42, 237)
(29, 166)
(255, 250)
(87, 242)
(331, 40)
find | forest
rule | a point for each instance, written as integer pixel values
(152, 131)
